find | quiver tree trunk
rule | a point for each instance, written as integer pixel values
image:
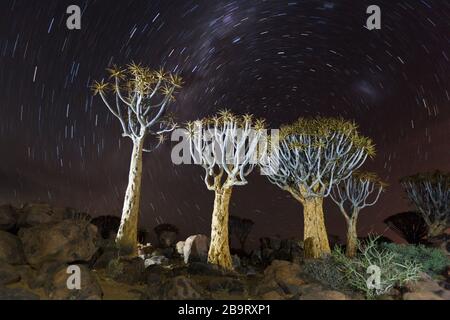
(127, 235)
(315, 232)
(352, 237)
(219, 250)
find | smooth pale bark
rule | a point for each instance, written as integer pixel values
(219, 250)
(127, 236)
(352, 237)
(314, 227)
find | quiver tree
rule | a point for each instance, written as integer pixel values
(227, 147)
(409, 225)
(139, 99)
(430, 194)
(312, 156)
(241, 229)
(359, 191)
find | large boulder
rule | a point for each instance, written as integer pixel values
(57, 287)
(66, 241)
(283, 277)
(8, 218)
(426, 288)
(8, 274)
(196, 249)
(11, 249)
(34, 214)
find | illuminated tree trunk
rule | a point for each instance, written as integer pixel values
(314, 227)
(127, 236)
(219, 250)
(352, 237)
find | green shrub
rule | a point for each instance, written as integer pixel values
(433, 260)
(394, 270)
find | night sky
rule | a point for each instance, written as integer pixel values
(276, 59)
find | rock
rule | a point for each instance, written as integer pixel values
(17, 294)
(425, 289)
(57, 288)
(11, 250)
(423, 295)
(167, 235)
(104, 259)
(181, 288)
(205, 269)
(8, 218)
(165, 252)
(180, 247)
(282, 275)
(66, 241)
(8, 275)
(39, 213)
(272, 295)
(156, 260)
(129, 271)
(325, 295)
(229, 285)
(196, 249)
(145, 250)
(425, 283)
(41, 277)
(155, 274)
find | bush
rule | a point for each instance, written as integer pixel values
(395, 270)
(327, 272)
(433, 260)
(343, 273)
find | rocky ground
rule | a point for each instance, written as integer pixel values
(38, 243)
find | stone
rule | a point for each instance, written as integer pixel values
(272, 295)
(34, 214)
(40, 278)
(180, 288)
(205, 269)
(16, 294)
(180, 247)
(422, 295)
(8, 274)
(104, 259)
(11, 250)
(196, 249)
(282, 276)
(156, 260)
(425, 283)
(90, 289)
(66, 241)
(324, 295)
(226, 284)
(8, 218)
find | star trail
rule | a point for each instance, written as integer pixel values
(276, 59)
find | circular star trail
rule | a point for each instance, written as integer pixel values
(276, 59)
